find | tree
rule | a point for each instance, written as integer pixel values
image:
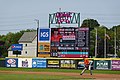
(117, 38)
(91, 23)
(100, 41)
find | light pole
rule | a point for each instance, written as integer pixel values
(37, 22)
(115, 42)
(37, 36)
(105, 44)
(96, 43)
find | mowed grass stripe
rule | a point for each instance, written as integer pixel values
(58, 70)
(23, 76)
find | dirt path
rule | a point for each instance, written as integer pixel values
(86, 75)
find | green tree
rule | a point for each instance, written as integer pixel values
(91, 23)
(117, 38)
(100, 41)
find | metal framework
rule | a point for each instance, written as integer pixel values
(64, 18)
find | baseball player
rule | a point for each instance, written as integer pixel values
(87, 64)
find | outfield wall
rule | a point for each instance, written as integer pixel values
(63, 63)
(2, 63)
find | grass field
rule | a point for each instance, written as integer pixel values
(23, 76)
(59, 70)
(34, 77)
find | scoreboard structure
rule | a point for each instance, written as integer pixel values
(69, 42)
(64, 42)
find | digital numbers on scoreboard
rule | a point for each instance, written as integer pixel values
(82, 39)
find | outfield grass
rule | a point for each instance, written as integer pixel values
(35, 77)
(58, 70)
(13, 76)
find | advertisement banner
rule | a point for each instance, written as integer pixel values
(80, 64)
(67, 63)
(16, 47)
(38, 63)
(44, 35)
(43, 55)
(25, 62)
(43, 47)
(53, 63)
(115, 64)
(102, 64)
(11, 62)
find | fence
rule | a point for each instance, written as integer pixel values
(2, 63)
(64, 63)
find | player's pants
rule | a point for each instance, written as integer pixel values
(86, 67)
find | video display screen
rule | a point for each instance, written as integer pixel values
(70, 39)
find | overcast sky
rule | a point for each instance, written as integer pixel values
(16, 15)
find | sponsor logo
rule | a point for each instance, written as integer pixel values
(34, 64)
(25, 63)
(11, 61)
(44, 34)
(16, 46)
(102, 65)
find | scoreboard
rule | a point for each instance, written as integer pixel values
(82, 38)
(69, 42)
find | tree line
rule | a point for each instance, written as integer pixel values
(110, 36)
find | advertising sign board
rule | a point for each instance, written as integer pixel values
(38, 63)
(67, 63)
(11, 62)
(25, 62)
(102, 64)
(64, 18)
(43, 47)
(53, 63)
(44, 35)
(16, 47)
(115, 64)
(80, 64)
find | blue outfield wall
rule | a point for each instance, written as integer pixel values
(64, 63)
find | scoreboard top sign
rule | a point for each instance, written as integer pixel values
(64, 18)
